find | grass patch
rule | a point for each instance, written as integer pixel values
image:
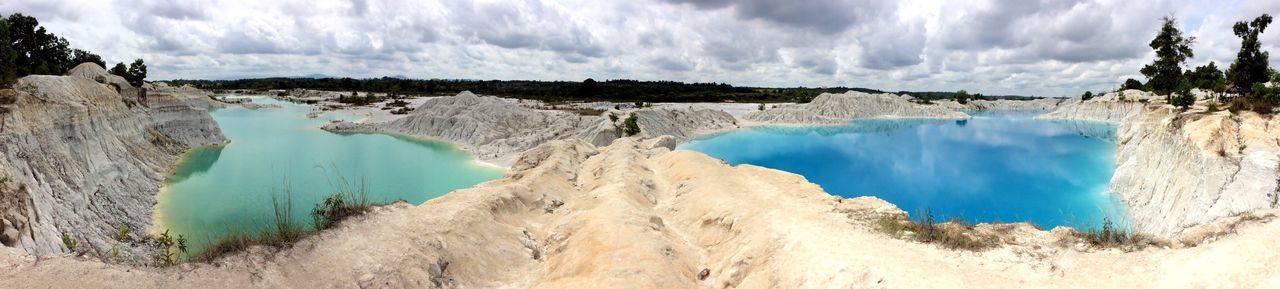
(1112, 236)
(349, 199)
(282, 232)
(68, 242)
(954, 234)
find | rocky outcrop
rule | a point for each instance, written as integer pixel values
(496, 129)
(1177, 169)
(631, 215)
(830, 108)
(83, 156)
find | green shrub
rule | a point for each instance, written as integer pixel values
(613, 117)
(629, 126)
(1087, 95)
(68, 242)
(167, 256)
(123, 233)
(1182, 98)
(761, 108)
(962, 96)
(339, 206)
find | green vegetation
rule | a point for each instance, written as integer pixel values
(1251, 62)
(761, 108)
(954, 234)
(68, 242)
(1131, 84)
(618, 90)
(282, 232)
(1207, 77)
(1172, 49)
(8, 57)
(629, 126)
(351, 199)
(1247, 74)
(613, 117)
(170, 247)
(961, 96)
(135, 73)
(123, 233)
(1111, 236)
(26, 48)
(1086, 96)
(1182, 98)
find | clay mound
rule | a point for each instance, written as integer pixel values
(830, 108)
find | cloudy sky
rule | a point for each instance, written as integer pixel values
(1032, 47)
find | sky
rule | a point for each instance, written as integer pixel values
(1025, 47)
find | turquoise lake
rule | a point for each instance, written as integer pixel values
(213, 191)
(1002, 166)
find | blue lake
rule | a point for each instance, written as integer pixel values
(1005, 166)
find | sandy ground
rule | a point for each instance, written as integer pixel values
(570, 215)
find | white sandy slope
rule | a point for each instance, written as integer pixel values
(634, 216)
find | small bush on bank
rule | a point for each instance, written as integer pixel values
(629, 126)
(1112, 236)
(954, 234)
(169, 248)
(349, 199)
(68, 242)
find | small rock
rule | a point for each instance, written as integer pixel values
(9, 236)
(702, 275)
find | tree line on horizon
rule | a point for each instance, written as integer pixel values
(27, 48)
(1246, 76)
(554, 91)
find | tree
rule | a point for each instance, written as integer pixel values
(1131, 84)
(962, 96)
(8, 68)
(119, 70)
(80, 56)
(588, 89)
(1251, 62)
(1087, 95)
(137, 72)
(38, 51)
(1172, 49)
(1207, 77)
(629, 126)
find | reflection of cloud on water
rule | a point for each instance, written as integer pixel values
(993, 168)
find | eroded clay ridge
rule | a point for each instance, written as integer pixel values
(637, 215)
(1177, 169)
(85, 153)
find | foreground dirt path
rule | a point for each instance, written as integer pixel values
(634, 215)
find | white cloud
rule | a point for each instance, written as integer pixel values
(1040, 47)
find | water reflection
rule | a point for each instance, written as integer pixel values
(993, 167)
